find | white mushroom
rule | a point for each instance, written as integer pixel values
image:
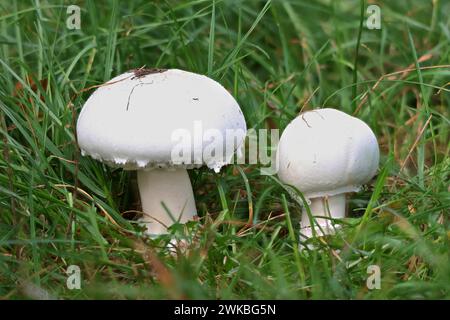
(138, 119)
(326, 153)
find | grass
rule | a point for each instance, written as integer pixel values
(58, 208)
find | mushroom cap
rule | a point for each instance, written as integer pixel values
(129, 121)
(325, 152)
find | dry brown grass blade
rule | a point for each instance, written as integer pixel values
(411, 67)
(443, 87)
(146, 215)
(88, 196)
(249, 222)
(161, 272)
(390, 75)
(308, 99)
(416, 142)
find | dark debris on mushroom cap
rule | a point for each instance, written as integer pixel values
(142, 72)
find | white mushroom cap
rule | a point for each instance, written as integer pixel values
(326, 152)
(129, 122)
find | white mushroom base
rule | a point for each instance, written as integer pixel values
(171, 187)
(331, 206)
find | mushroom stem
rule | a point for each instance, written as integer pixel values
(331, 206)
(171, 187)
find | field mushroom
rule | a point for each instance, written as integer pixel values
(133, 120)
(326, 153)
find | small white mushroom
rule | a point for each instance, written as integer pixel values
(326, 153)
(132, 120)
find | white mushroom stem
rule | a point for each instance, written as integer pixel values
(171, 187)
(331, 206)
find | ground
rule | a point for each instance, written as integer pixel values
(277, 58)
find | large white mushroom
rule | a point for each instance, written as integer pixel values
(326, 153)
(141, 119)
